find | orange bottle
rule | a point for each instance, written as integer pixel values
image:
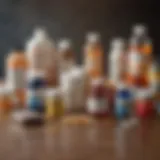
(94, 56)
(136, 66)
(16, 69)
(5, 100)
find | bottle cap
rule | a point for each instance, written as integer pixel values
(40, 33)
(139, 30)
(64, 44)
(118, 43)
(93, 37)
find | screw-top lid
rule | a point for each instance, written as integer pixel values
(139, 30)
(93, 37)
(40, 33)
(64, 44)
(118, 43)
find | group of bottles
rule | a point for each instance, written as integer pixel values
(45, 73)
(133, 76)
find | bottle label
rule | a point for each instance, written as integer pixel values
(97, 105)
(16, 78)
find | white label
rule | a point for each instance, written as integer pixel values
(97, 105)
(16, 78)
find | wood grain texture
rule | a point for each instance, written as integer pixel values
(101, 140)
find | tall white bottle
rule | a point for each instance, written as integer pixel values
(116, 60)
(42, 56)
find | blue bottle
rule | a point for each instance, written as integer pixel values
(123, 102)
(35, 102)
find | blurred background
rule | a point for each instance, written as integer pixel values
(73, 19)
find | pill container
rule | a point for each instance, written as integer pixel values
(54, 105)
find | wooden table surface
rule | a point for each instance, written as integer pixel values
(101, 140)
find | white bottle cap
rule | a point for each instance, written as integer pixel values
(118, 43)
(139, 30)
(40, 33)
(64, 44)
(93, 37)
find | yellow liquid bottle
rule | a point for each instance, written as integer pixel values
(54, 104)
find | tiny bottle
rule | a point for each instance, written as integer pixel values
(94, 56)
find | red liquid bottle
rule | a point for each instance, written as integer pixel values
(144, 104)
(97, 102)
